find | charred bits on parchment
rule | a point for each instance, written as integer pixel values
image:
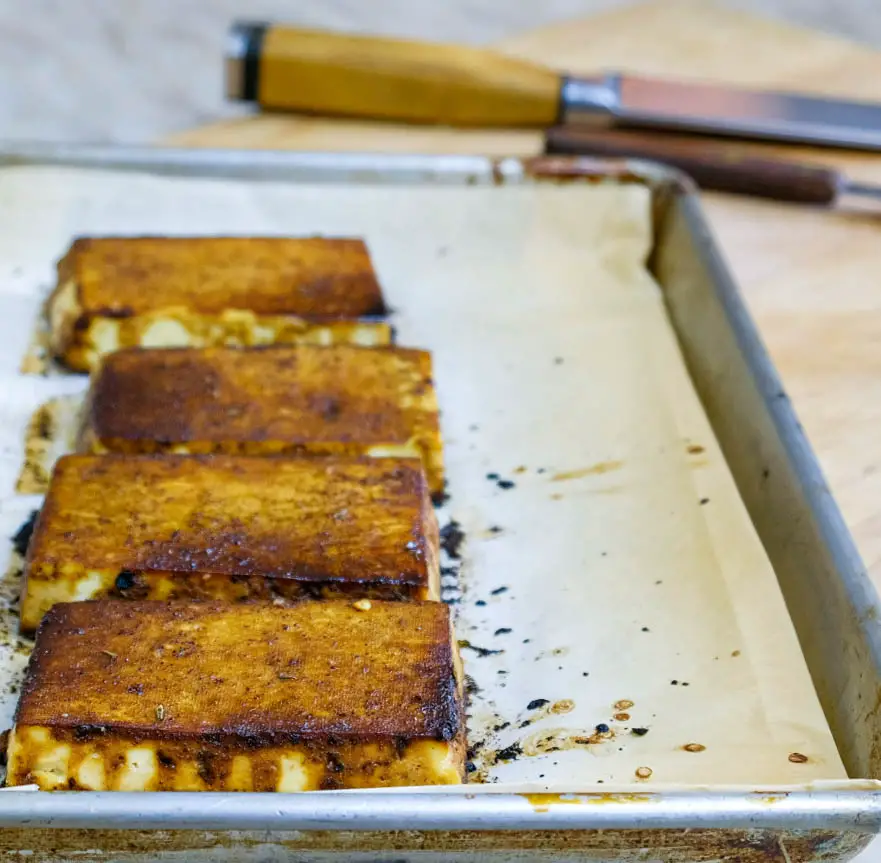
(451, 539)
(441, 498)
(464, 644)
(501, 482)
(22, 537)
(509, 753)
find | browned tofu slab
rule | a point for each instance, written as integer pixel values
(303, 400)
(143, 696)
(117, 292)
(231, 528)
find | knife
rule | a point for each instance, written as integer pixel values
(719, 166)
(285, 68)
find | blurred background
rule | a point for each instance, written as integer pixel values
(135, 70)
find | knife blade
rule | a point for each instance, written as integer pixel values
(285, 68)
(653, 103)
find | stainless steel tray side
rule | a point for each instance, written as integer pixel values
(830, 597)
(317, 846)
(833, 605)
(268, 165)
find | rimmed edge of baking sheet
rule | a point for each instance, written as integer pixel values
(479, 167)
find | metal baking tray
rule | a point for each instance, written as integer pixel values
(829, 598)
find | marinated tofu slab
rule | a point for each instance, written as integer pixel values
(304, 400)
(150, 696)
(231, 528)
(117, 292)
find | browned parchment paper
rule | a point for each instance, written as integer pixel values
(618, 566)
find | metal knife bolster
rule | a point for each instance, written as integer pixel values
(592, 101)
(636, 101)
(242, 60)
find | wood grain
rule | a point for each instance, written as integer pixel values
(359, 76)
(717, 166)
(812, 278)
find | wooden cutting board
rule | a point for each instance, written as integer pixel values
(811, 278)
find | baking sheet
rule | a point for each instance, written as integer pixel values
(619, 560)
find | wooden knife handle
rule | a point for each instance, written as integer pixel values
(285, 68)
(712, 165)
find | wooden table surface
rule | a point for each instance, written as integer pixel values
(812, 278)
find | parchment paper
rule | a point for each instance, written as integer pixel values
(620, 566)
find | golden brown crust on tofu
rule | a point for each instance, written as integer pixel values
(340, 400)
(116, 292)
(256, 670)
(316, 278)
(231, 527)
(313, 679)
